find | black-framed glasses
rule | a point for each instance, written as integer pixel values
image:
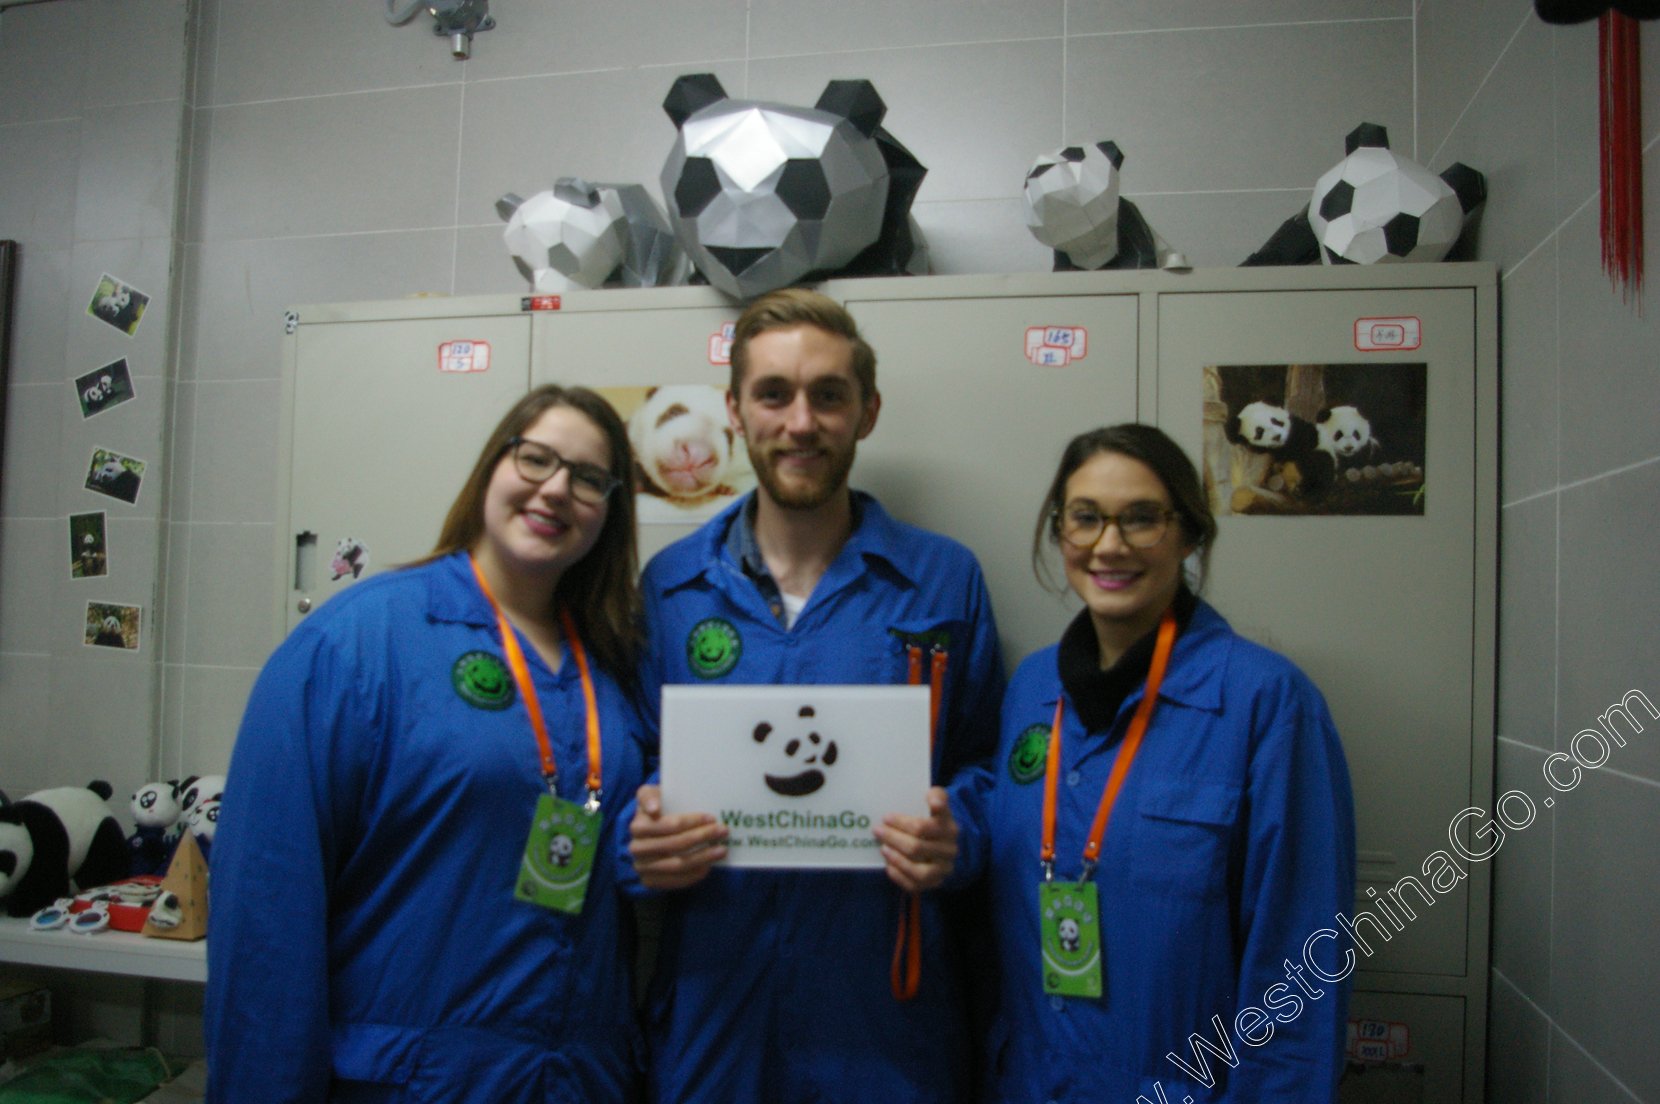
(536, 463)
(1141, 525)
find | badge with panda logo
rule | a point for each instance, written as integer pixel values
(713, 647)
(482, 681)
(1029, 755)
(1068, 920)
(559, 856)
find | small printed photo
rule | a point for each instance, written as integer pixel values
(112, 626)
(118, 304)
(1299, 439)
(688, 463)
(109, 386)
(115, 475)
(88, 546)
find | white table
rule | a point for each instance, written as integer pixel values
(107, 952)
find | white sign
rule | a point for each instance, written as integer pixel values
(800, 775)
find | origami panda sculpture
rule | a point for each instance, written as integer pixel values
(1375, 207)
(586, 235)
(763, 195)
(1073, 207)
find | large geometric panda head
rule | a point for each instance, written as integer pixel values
(762, 194)
(1072, 202)
(1376, 206)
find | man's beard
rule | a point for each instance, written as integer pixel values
(799, 493)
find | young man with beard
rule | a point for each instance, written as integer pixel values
(784, 986)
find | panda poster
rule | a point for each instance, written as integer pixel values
(1301, 439)
(688, 462)
(112, 626)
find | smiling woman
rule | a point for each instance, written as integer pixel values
(1206, 825)
(419, 743)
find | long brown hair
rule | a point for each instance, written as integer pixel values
(1151, 446)
(599, 590)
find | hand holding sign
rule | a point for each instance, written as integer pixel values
(672, 852)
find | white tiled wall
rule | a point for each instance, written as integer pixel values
(329, 156)
(1573, 1010)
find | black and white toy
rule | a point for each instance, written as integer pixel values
(1073, 206)
(53, 841)
(199, 788)
(763, 195)
(683, 444)
(1376, 206)
(155, 810)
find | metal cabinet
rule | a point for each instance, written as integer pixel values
(983, 380)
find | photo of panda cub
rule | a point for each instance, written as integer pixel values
(1315, 438)
(688, 463)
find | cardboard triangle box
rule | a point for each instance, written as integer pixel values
(186, 879)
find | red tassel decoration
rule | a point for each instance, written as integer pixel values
(1620, 120)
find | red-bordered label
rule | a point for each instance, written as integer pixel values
(539, 303)
(1378, 1040)
(720, 344)
(1056, 346)
(464, 356)
(1387, 335)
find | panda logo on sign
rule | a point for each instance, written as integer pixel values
(805, 756)
(762, 195)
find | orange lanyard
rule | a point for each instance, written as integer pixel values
(1120, 765)
(905, 972)
(533, 704)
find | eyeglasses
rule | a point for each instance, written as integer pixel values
(1141, 525)
(536, 463)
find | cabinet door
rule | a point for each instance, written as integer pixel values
(383, 439)
(979, 396)
(1378, 610)
(651, 339)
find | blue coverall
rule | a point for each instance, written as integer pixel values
(772, 987)
(1230, 844)
(365, 944)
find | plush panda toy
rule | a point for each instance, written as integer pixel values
(763, 195)
(197, 789)
(683, 444)
(53, 840)
(1264, 427)
(155, 809)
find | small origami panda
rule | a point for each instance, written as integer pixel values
(1073, 207)
(1375, 206)
(683, 444)
(763, 195)
(590, 235)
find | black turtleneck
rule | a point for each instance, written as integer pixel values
(1097, 694)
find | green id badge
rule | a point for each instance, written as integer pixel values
(559, 856)
(1070, 924)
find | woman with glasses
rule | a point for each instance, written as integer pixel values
(413, 881)
(1166, 829)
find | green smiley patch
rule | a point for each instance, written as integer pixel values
(482, 681)
(713, 647)
(1030, 754)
